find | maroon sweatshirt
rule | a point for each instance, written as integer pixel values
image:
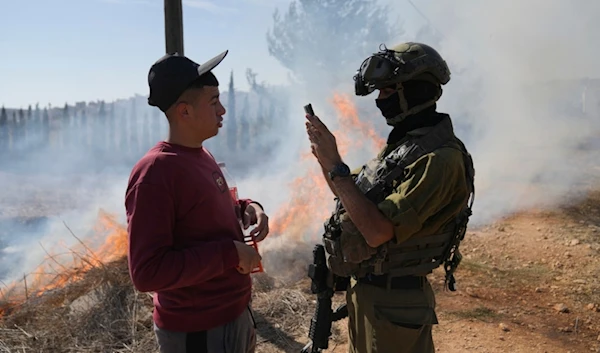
(181, 226)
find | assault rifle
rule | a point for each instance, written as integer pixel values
(324, 285)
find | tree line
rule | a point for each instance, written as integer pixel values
(87, 129)
(119, 133)
(320, 42)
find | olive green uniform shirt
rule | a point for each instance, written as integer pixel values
(433, 191)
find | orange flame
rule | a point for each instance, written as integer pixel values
(302, 215)
(308, 207)
(54, 273)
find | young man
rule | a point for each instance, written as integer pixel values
(185, 239)
(398, 216)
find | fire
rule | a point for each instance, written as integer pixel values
(350, 122)
(55, 273)
(305, 212)
(302, 216)
(116, 244)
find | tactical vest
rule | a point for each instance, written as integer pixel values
(348, 252)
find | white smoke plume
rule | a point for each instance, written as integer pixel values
(526, 84)
(523, 97)
(524, 94)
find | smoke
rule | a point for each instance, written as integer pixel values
(58, 171)
(520, 74)
(523, 94)
(523, 97)
(44, 216)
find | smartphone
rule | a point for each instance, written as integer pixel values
(308, 109)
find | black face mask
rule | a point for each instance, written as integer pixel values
(390, 106)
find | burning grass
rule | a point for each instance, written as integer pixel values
(87, 303)
(90, 305)
(301, 218)
(98, 313)
(102, 312)
(56, 272)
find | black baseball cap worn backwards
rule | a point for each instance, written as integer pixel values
(173, 73)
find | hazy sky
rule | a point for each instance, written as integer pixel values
(57, 51)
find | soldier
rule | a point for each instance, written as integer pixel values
(403, 213)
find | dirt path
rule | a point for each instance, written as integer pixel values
(529, 283)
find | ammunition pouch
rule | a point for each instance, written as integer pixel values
(346, 248)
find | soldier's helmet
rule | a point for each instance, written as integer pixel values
(390, 67)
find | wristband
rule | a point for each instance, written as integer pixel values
(259, 205)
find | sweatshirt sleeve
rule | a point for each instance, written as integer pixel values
(154, 264)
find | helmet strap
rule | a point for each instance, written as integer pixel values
(403, 102)
(414, 110)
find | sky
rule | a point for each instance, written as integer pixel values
(65, 51)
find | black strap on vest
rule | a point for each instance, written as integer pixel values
(453, 257)
(437, 137)
(440, 248)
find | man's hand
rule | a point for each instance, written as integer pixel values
(249, 257)
(323, 143)
(373, 225)
(254, 214)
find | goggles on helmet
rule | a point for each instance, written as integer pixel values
(380, 70)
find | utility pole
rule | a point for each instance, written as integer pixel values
(174, 26)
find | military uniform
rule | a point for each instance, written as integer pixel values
(432, 192)
(422, 183)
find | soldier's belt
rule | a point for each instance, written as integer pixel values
(404, 282)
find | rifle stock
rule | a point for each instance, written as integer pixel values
(324, 285)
